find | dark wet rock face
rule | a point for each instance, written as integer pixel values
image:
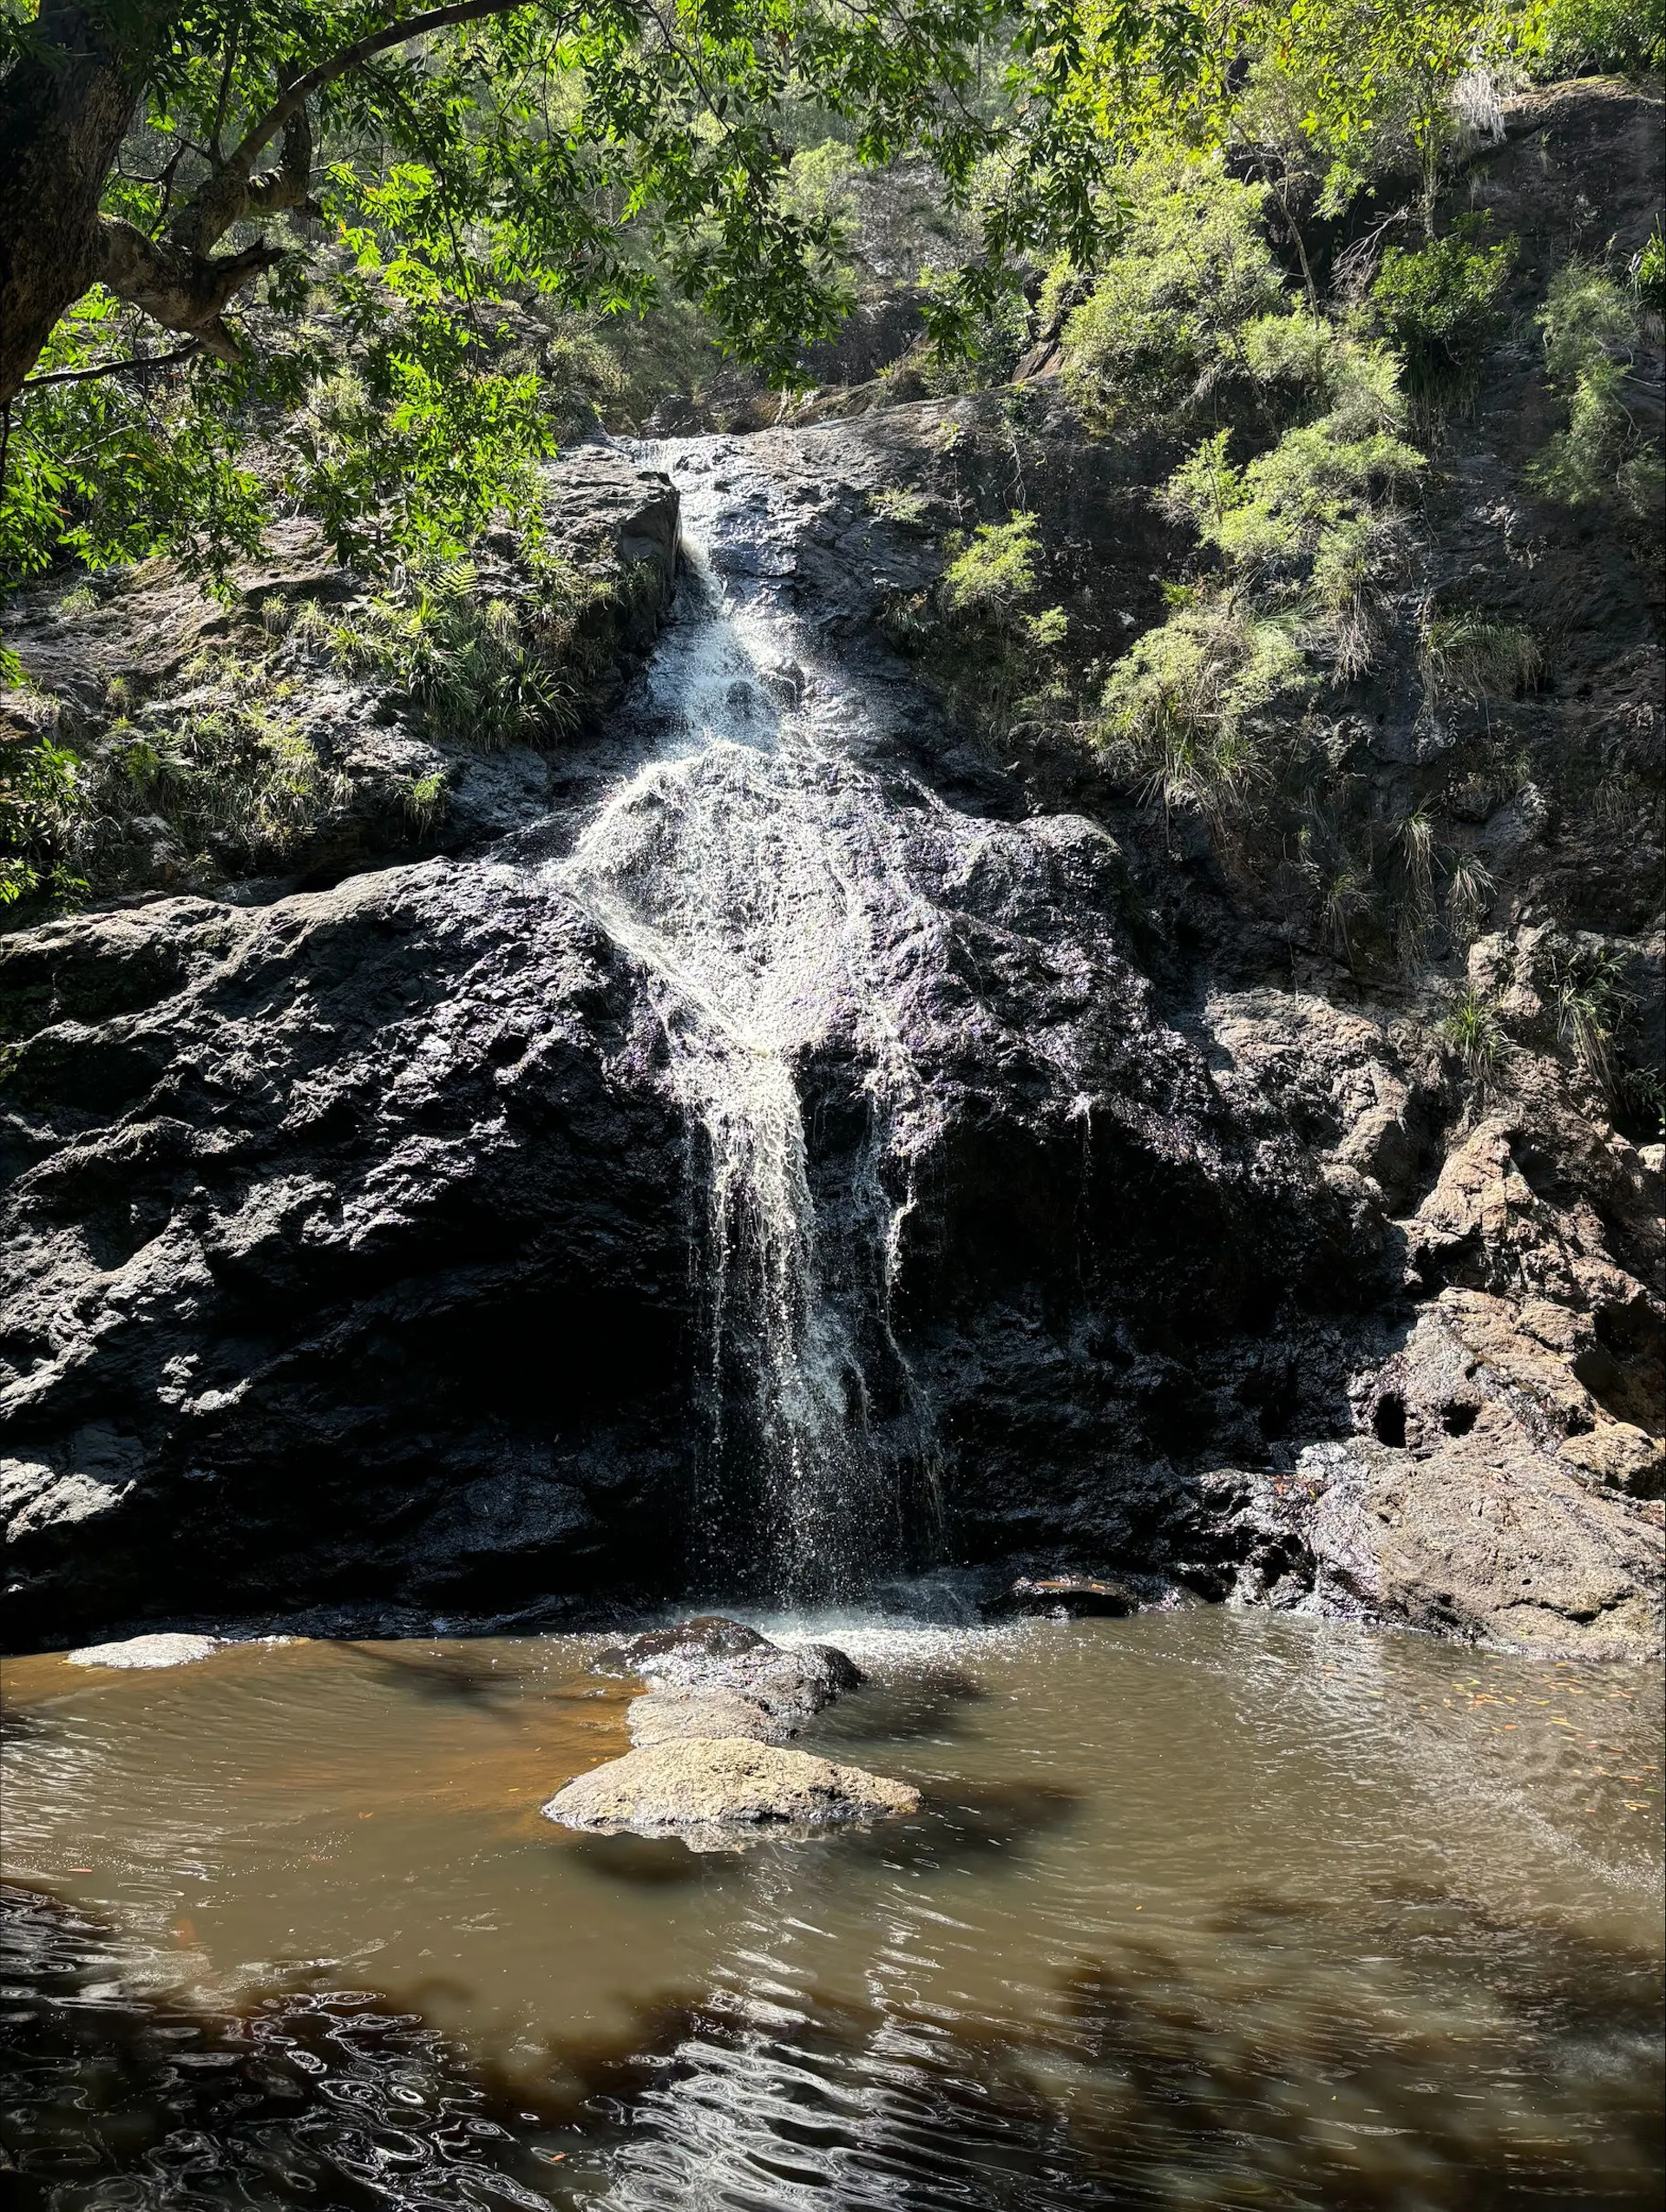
(1062, 1597)
(353, 1233)
(803, 1150)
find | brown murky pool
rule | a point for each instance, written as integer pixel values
(1200, 1911)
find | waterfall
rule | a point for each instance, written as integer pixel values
(731, 869)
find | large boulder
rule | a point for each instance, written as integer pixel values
(1487, 1538)
(714, 1792)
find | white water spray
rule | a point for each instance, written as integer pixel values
(729, 869)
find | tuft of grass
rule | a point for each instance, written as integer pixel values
(1588, 992)
(1479, 657)
(1471, 1031)
(1469, 890)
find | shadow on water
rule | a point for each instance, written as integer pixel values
(448, 1677)
(1134, 2085)
(928, 1702)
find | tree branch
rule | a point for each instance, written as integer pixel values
(183, 291)
(261, 135)
(110, 368)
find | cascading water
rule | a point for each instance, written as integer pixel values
(730, 868)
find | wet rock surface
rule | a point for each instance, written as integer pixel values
(667, 1715)
(1062, 1597)
(710, 1789)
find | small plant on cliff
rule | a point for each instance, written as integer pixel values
(983, 634)
(1592, 333)
(1471, 654)
(1588, 991)
(1470, 890)
(1192, 710)
(1471, 1030)
(1439, 306)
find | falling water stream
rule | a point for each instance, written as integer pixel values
(732, 867)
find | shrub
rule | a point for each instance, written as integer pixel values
(1189, 270)
(1590, 329)
(476, 671)
(993, 572)
(1189, 710)
(1627, 37)
(1439, 307)
(1311, 520)
(982, 634)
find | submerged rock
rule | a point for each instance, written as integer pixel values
(148, 1651)
(1064, 1597)
(671, 1716)
(714, 1656)
(713, 1790)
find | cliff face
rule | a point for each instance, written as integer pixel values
(363, 1254)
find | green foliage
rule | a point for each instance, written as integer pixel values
(41, 800)
(223, 782)
(1649, 272)
(1624, 37)
(897, 503)
(1471, 1030)
(1310, 523)
(992, 570)
(1439, 306)
(374, 376)
(1191, 267)
(1591, 332)
(1194, 711)
(475, 670)
(983, 634)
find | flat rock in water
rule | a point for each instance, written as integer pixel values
(716, 1792)
(148, 1651)
(1067, 1596)
(668, 1716)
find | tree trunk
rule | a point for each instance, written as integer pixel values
(63, 112)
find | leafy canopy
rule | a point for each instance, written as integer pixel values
(357, 342)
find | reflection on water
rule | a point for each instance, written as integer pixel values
(1198, 1910)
